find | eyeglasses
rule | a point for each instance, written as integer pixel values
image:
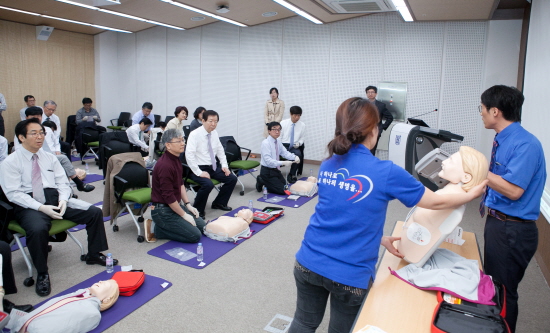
(176, 142)
(49, 109)
(35, 134)
(276, 129)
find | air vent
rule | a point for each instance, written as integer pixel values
(360, 6)
(269, 14)
(197, 18)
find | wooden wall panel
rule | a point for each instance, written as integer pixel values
(60, 69)
(543, 252)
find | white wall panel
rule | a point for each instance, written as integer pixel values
(183, 71)
(356, 61)
(462, 80)
(151, 69)
(220, 73)
(413, 54)
(127, 73)
(306, 63)
(259, 70)
(106, 78)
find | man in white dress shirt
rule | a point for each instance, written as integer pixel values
(270, 173)
(292, 136)
(30, 101)
(34, 181)
(203, 146)
(136, 135)
(49, 115)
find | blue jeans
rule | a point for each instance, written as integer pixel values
(313, 293)
(169, 225)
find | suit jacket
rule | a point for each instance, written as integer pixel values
(384, 114)
(273, 112)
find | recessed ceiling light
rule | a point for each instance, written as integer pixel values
(269, 14)
(197, 18)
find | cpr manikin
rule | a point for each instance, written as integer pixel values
(227, 228)
(306, 188)
(74, 312)
(426, 229)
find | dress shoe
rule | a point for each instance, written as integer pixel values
(258, 186)
(202, 216)
(86, 188)
(43, 286)
(222, 207)
(8, 306)
(291, 179)
(149, 234)
(75, 196)
(99, 259)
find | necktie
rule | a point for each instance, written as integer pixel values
(291, 143)
(37, 188)
(48, 119)
(277, 153)
(212, 158)
(493, 153)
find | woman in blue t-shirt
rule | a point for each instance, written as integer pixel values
(340, 247)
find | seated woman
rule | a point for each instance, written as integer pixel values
(74, 312)
(227, 228)
(305, 188)
(177, 122)
(173, 215)
(427, 228)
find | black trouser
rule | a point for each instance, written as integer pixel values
(206, 187)
(273, 180)
(7, 269)
(509, 246)
(65, 148)
(296, 151)
(37, 226)
(2, 128)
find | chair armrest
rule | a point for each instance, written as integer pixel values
(124, 184)
(6, 215)
(112, 123)
(247, 155)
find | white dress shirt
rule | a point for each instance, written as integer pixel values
(299, 131)
(197, 152)
(3, 104)
(16, 177)
(3, 148)
(135, 136)
(23, 116)
(56, 120)
(269, 157)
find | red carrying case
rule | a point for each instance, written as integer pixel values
(455, 315)
(129, 282)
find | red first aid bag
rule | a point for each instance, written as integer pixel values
(129, 282)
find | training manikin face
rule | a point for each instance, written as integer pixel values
(453, 171)
(104, 290)
(246, 214)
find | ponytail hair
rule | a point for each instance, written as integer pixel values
(355, 120)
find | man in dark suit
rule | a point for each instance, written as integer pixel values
(385, 115)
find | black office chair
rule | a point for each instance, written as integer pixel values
(90, 140)
(157, 120)
(186, 131)
(120, 123)
(168, 118)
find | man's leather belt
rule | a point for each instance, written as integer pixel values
(503, 217)
(158, 204)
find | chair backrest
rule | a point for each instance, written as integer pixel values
(71, 128)
(90, 134)
(157, 120)
(186, 131)
(123, 117)
(232, 151)
(135, 175)
(168, 118)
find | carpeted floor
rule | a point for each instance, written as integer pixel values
(246, 288)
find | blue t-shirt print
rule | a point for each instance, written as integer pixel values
(355, 187)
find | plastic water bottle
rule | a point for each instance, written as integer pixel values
(250, 205)
(86, 167)
(265, 193)
(109, 263)
(311, 172)
(200, 252)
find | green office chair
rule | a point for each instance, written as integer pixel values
(236, 164)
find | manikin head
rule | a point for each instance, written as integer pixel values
(106, 291)
(246, 214)
(468, 167)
